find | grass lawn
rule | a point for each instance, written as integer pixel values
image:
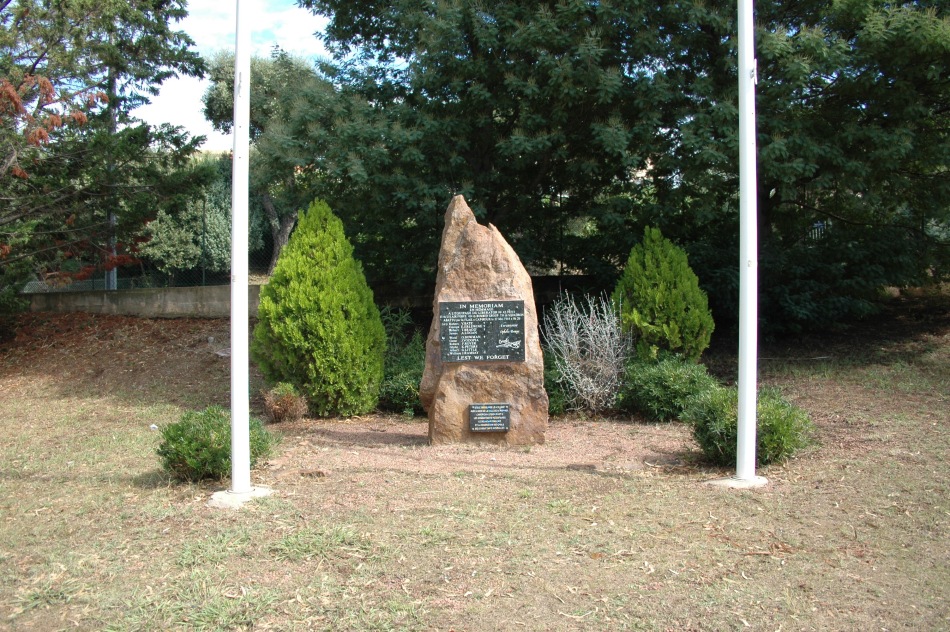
(608, 526)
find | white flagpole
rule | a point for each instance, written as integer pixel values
(240, 379)
(748, 250)
(241, 489)
(748, 259)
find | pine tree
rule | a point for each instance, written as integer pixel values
(72, 153)
(318, 327)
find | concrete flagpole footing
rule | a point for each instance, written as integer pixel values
(739, 483)
(227, 499)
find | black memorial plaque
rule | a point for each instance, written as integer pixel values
(489, 417)
(482, 331)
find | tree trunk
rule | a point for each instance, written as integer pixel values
(280, 228)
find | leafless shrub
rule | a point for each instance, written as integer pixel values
(284, 403)
(589, 350)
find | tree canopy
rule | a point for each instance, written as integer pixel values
(853, 190)
(281, 172)
(572, 124)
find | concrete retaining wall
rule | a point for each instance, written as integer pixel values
(174, 302)
(215, 301)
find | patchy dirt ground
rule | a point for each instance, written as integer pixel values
(179, 357)
(607, 526)
(177, 360)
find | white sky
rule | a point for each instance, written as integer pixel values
(210, 23)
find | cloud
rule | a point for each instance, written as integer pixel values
(179, 103)
(211, 24)
(293, 29)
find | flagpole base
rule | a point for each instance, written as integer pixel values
(739, 483)
(227, 499)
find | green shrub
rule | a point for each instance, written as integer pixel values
(198, 236)
(405, 361)
(284, 403)
(13, 276)
(198, 446)
(782, 428)
(662, 390)
(660, 300)
(318, 327)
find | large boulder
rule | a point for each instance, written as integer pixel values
(476, 264)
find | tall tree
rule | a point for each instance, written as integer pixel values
(59, 58)
(529, 109)
(853, 105)
(566, 122)
(280, 172)
(94, 61)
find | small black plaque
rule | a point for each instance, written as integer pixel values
(482, 331)
(489, 417)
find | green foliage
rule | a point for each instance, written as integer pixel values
(853, 144)
(660, 300)
(785, 428)
(198, 446)
(71, 153)
(282, 180)
(283, 402)
(405, 362)
(192, 239)
(11, 303)
(575, 124)
(782, 428)
(13, 276)
(199, 235)
(526, 108)
(318, 327)
(59, 56)
(662, 389)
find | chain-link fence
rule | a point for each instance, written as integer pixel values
(137, 271)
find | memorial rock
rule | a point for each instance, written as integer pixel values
(484, 374)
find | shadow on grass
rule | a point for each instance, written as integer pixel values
(151, 480)
(368, 438)
(154, 479)
(904, 330)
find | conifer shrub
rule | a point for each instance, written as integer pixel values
(405, 362)
(198, 445)
(781, 429)
(660, 300)
(318, 327)
(661, 390)
(283, 402)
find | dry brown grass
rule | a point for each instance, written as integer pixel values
(608, 526)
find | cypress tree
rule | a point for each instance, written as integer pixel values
(660, 299)
(318, 327)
